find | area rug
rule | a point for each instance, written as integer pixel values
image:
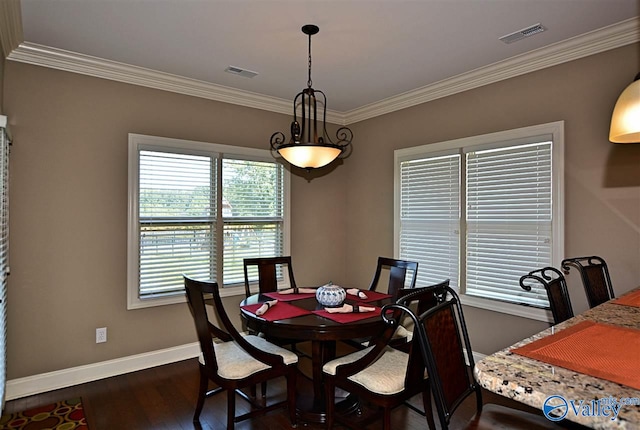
(65, 415)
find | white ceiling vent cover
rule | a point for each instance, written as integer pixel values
(240, 72)
(525, 32)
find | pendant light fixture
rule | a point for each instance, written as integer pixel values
(309, 146)
(625, 120)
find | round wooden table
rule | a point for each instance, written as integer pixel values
(322, 333)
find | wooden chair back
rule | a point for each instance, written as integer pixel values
(595, 278)
(441, 334)
(397, 275)
(555, 284)
(269, 269)
(206, 331)
(424, 297)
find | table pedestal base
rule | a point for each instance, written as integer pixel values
(312, 408)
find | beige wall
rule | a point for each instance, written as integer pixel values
(69, 208)
(69, 188)
(602, 193)
(2, 65)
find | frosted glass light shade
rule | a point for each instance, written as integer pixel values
(625, 120)
(309, 156)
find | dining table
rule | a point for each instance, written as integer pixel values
(300, 317)
(585, 369)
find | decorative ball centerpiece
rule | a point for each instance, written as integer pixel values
(330, 295)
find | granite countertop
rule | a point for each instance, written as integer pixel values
(531, 381)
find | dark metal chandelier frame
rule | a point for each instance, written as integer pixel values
(304, 133)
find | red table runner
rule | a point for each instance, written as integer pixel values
(632, 299)
(348, 317)
(600, 350)
(288, 297)
(279, 311)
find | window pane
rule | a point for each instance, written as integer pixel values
(508, 221)
(177, 220)
(252, 189)
(252, 193)
(175, 185)
(249, 241)
(430, 217)
(169, 251)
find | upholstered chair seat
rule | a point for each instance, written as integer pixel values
(385, 376)
(235, 363)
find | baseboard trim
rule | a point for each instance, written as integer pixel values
(36, 384)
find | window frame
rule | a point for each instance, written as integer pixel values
(136, 142)
(493, 140)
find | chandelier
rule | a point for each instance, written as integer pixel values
(306, 148)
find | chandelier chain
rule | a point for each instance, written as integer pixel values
(309, 83)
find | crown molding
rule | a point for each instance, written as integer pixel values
(60, 59)
(611, 37)
(10, 25)
(614, 36)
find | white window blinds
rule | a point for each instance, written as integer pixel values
(253, 214)
(430, 217)
(198, 209)
(508, 220)
(177, 220)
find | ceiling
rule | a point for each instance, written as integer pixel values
(365, 53)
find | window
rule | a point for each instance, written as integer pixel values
(483, 211)
(199, 209)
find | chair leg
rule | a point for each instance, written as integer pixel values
(291, 396)
(428, 411)
(330, 400)
(263, 390)
(202, 393)
(231, 409)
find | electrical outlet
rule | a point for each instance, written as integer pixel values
(101, 335)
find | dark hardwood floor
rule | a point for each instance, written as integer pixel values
(164, 397)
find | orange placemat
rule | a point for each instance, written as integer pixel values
(348, 317)
(631, 299)
(279, 311)
(600, 350)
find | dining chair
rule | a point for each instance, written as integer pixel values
(422, 299)
(269, 269)
(398, 272)
(379, 375)
(233, 361)
(419, 300)
(595, 278)
(441, 336)
(555, 284)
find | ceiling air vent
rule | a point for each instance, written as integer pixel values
(525, 32)
(240, 72)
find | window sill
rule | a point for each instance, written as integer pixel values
(507, 308)
(137, 303)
